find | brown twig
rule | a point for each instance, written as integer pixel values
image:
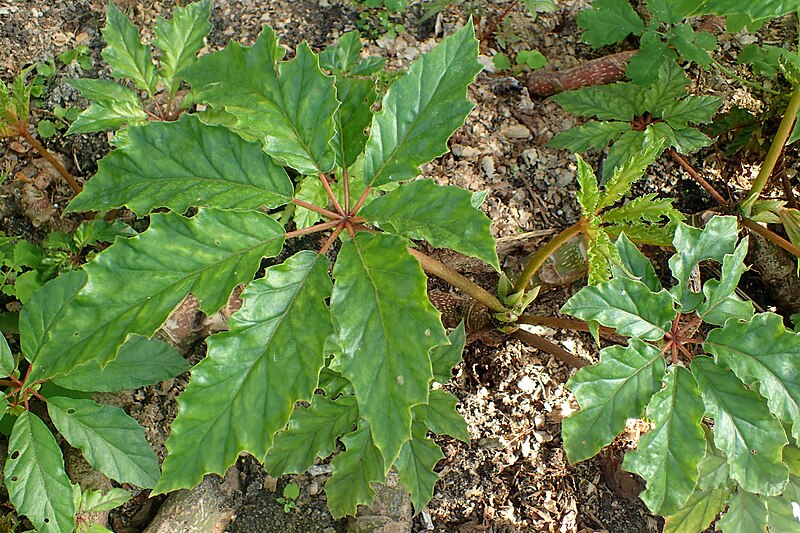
(771, 236)
(553, 349)
(600, 71)
(698, 178)
(491, 28)
(69, 178)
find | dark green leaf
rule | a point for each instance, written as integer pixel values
(627, 305)
(38, 486)
(610, 392)
(441, 417)
(387, 328)
(444, 357)
(608, 22)
(717, 291)
(182, 164)
(700, 510)
(782, 510)
(697, 109)
(755, 10)
(617, 101)
(344, 55)
(415, 465)
(692, 46)
(180, 39)
(111, 441)
(747, 513)
(593, 134)
(688, 140)
(244, 390)
(670, 84)
(421, 110)
(730, 307)
(635, 263)
(352, 118)
(7, 363)
(626, 147)
(353, 471)
(126, 54)
(667, 456)
(441, 215)
(653, 56)
(743, 428)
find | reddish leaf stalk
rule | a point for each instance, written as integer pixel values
(316, 209)
(69, 178)
(546, 346)
(362, 199)
(698, 178)
(332, 196)
(331, 239)
(313, 229)
(346, 184)
(541, 255)
(772, 236)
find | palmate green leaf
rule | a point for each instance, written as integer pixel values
(180, 39)
(670, 84)
(289, 106)
(693, 46)
(595, 134)
(652, 57)
(312, 432)
(627, 173)
(781, 510)
(352, 118)
(717, 291)
(415, 465)
(112, 106)
(693, 245)
(136, 283)
(441, 417)
(111, 441)
(766, 356)
(635, 264)
(386, 328)
(617, 101)
(440, 214)
(444, 357)
(588, 195)
(747, 513)
(243, 392)
(140, 362)
(126, 54)
(667, 456)
(608, 21)
(696, 109)
(182, 164)
(353, 471)
(743, 428)
(627, 305)
(699, 511)
(7, 363)
(609, 393)
(421, 110)
(626, 147)
(38, 486)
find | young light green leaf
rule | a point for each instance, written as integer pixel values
(204, 166)
(353, 471)
(627, 305)
(644, 208)
(441, 417)
(265, 98)
(589, 193)
(136, 283)
(693, 245)
(421, 110)
(696, 109)
(766, 356)
(312, 432)
(699, 511)
(180, 39)
(441, 215)
(126, 54)
(595, 134)
(140, 362)
(625, 174)
(635, 264)
(444, 357)
(344, 55)
(352, 118)
(312, 191)
(670, 84)
(608, 21)
(95, 501)
(623, 150)
(743, 428)
(387, 327)
(747, 513)
(415, 465)
(617, 101)
(38, 486)
(112, 106)
(667, 456)
(7, 363)
(244, 390)
(111, 441)
(782, 510)
(609, 393)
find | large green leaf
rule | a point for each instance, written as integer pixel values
(441, 417)
(730, 307)
(136, 283)
(670, 84)
(353, 471)
(111, 441)
(352, 118)
(140, 362)
(700, 510)
(743, 428)
(717, 291)
(312, 432)
(126, 54)
(415, 465)
(244, 390)
(112, 106)
(747, 513)
(182, 164)
(289, 106)
(617, 101)
(442, 215)
(594, 134)
(38, 486)
(766, 356)
(667, 456)
(755, 10)
(627, 305)
(782, 509)
(610, 392)
(693, 245)
(180, 39)
(608, 21)
(387, 328)
(421, 110)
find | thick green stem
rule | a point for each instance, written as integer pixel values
(725, 70)
(784, 130)
(541, 255)
(442, 271)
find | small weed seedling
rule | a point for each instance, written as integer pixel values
(289, 499)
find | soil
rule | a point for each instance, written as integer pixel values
(513, 475)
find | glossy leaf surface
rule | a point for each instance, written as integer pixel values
(415, 465)
(180, 39)
(126, 54)
(353, 471)
(699, 511)
(112, 106)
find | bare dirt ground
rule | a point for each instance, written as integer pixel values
(513, 475)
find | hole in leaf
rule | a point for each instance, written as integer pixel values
(15, 454)
(70, 411)
(46, 520)
(14, 478)
(754, 452)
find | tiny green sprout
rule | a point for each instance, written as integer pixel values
(290, 493)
